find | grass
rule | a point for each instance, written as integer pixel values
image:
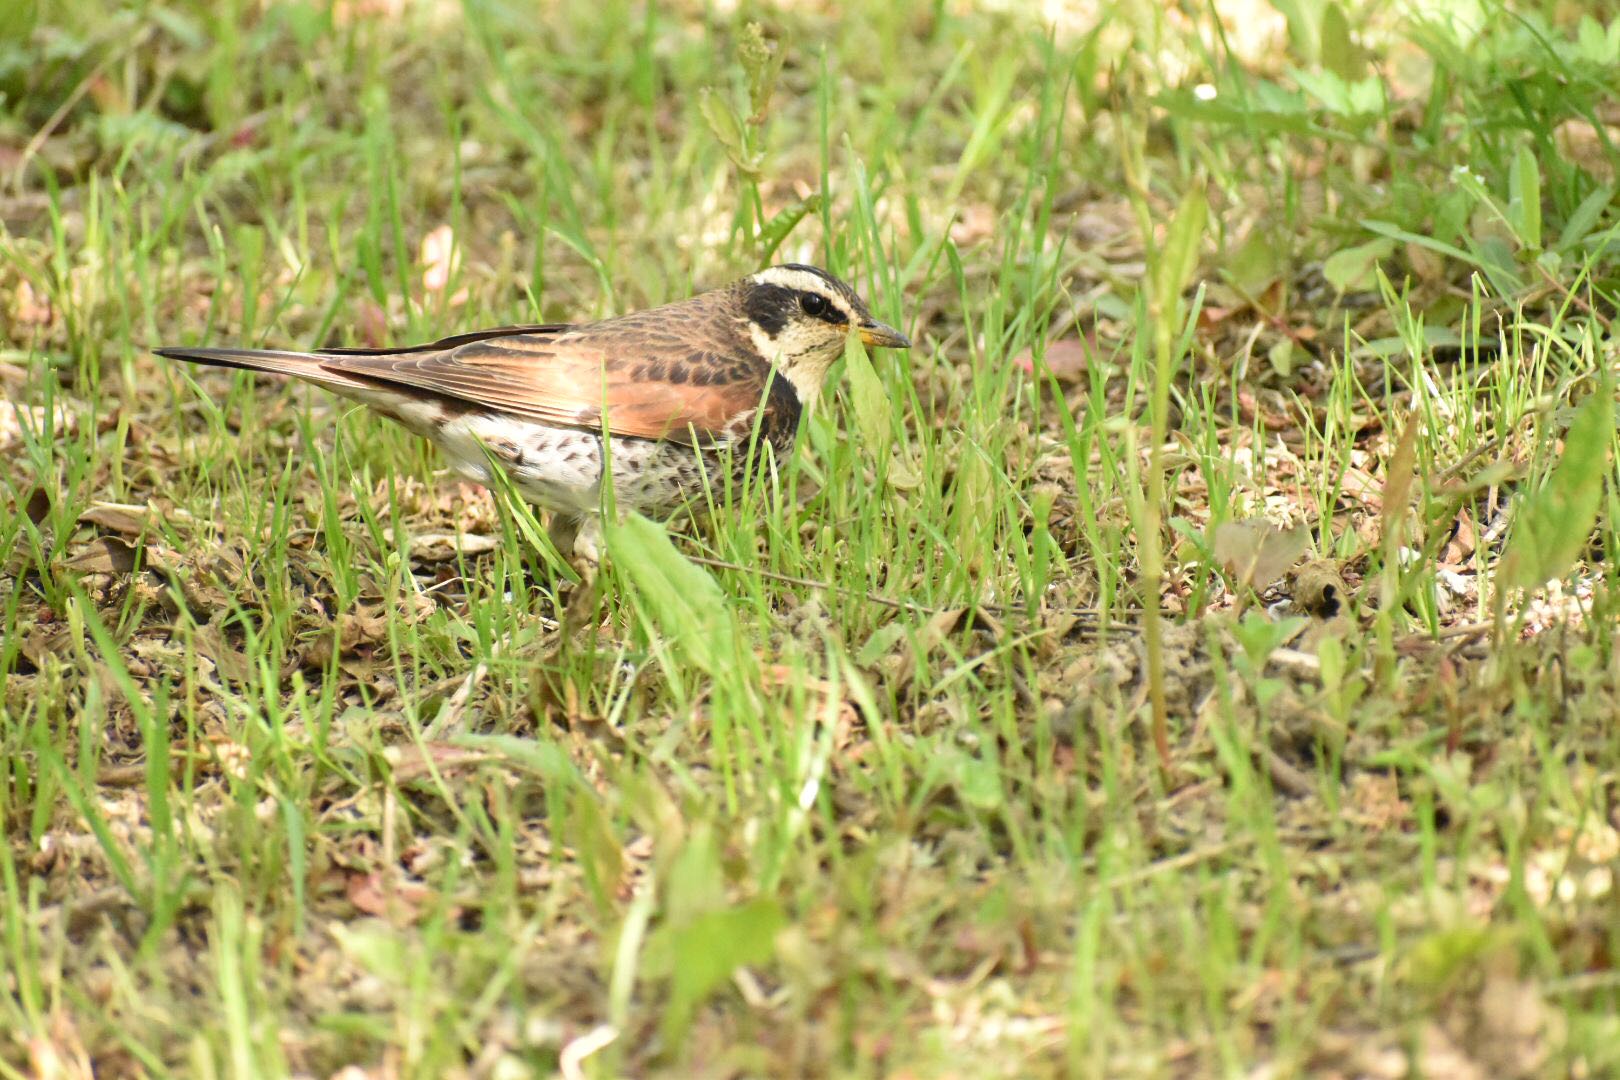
(971, 744)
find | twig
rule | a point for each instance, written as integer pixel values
(1285, 776)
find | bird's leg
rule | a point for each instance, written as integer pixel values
(579, 540)
(562, 530)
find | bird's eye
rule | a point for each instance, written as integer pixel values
(813, 304)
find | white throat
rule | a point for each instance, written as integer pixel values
(805, 370)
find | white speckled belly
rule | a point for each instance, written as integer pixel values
(560, 468)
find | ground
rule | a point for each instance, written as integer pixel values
(1195, 657)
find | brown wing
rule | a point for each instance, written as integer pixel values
(682, 372)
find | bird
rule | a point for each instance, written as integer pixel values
(658, 399)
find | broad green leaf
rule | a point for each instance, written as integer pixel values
(1586, 215)
(870, 399)
(544, 759)
(1367, 96)
(1551, 526)
(705, 951)
(977, 781)
(1351, 270)
(682, 599)
(1179, 256)
(722, 120)
(376, 948)
(1395, 232)
(1328, 88)
(1338, 52)
(696, 880)
(1524, 198)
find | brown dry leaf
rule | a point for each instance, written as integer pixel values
(366, 626)
(1251, 408)
(1257, 553)
(1065, 358)
(345, 12)
(1359, 485)
(401, 904)
(437, 547)
(37, 506)
(230, 662)
(1463, 542)
(373, 324)
(104, 555)
(46, 641)
(1512, 1032)
(27, 309)
(775, 676)
(124, 518)
(1398, 480)
(900, 665)
(1428, 266)
(129, 519)
(973, 223)
(1376, 803)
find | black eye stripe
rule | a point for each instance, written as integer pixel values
(818, 306)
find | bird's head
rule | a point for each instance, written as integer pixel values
(799, 317)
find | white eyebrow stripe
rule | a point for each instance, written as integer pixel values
(797, 280)
(804, 281)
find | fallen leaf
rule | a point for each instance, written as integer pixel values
(1257, 553)
(37, 506)
(1398, 481)
(1065, 358)
(27, 309)
(104, 555)
(436, 547)
(401, 904)
(229, 661)
(128, 519)
(1463, 542)
(1359, 485)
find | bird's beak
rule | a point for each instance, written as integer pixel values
(883, 336)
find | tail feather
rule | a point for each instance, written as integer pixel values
(302, 365)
